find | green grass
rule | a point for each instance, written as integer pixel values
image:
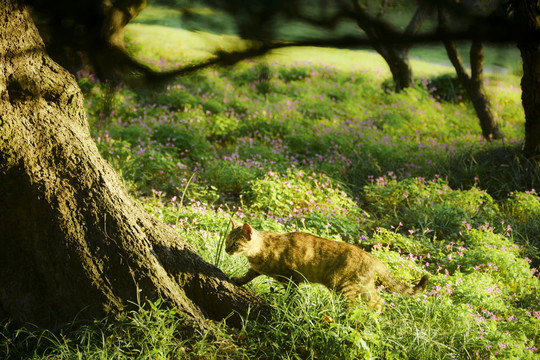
(311, 140)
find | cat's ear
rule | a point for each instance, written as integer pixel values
(235, 224)
(247, 230)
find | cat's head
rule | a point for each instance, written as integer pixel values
(239, 238)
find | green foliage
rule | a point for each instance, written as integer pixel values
(523, 207)
(177, 98)
(185, 141)
(312, 201)
(307, 147)
(446, 87)
(294, 73)
(151, 331)
(428, 207)
(230, 179)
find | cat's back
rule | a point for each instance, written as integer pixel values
(318, 259)
(305, 242)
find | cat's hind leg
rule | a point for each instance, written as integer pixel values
(367, 293)
(375, 300)
(290, 285)
(371, 297)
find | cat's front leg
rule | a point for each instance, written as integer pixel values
(251, 274)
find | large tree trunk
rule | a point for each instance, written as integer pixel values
(527, 15)
(72, 242)
(474, 84)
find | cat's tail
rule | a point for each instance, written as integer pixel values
(394, 285)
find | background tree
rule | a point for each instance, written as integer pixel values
(474, 84)
(395, 54)
(476, 21)
(261, 20)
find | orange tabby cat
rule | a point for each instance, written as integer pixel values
(301, 257)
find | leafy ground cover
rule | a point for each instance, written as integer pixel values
(293, 144)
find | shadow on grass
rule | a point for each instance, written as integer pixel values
(499, 171)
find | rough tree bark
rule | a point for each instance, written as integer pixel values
(527, 15)
(72, 241)
(473, 84)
